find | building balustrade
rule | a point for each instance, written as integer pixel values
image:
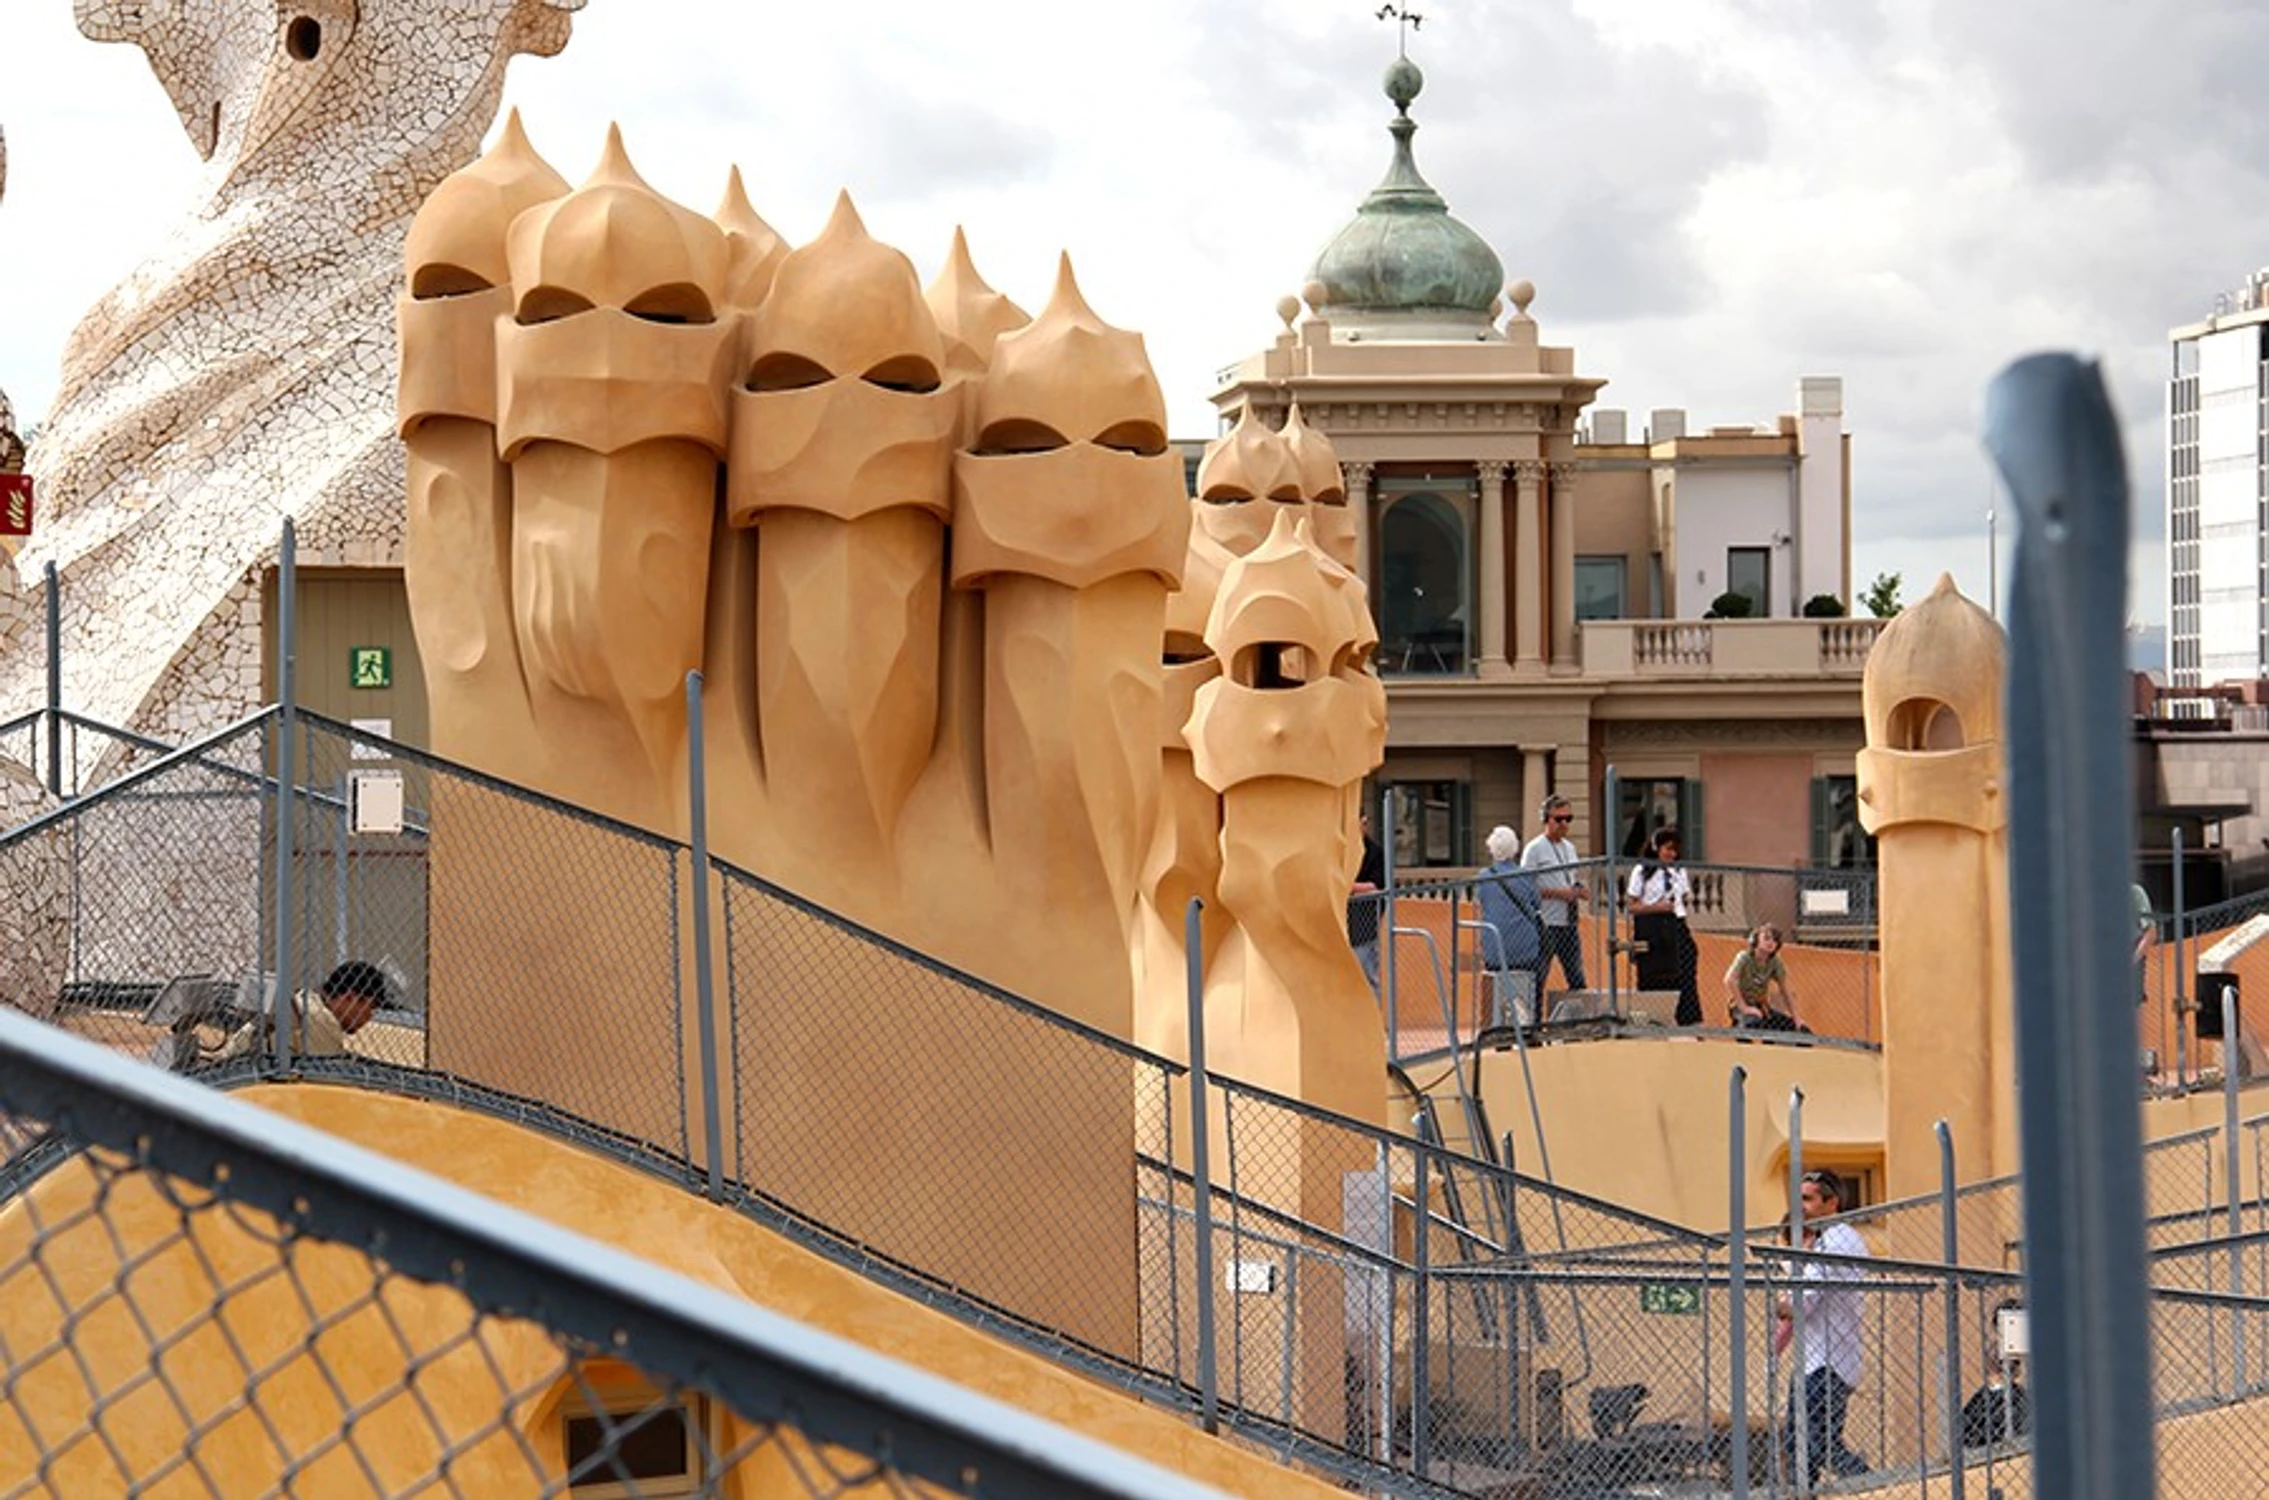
(1707, 648)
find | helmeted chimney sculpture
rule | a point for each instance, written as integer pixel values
(1930, 790)
(927, 554)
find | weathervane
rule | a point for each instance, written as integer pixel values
(1406, 21)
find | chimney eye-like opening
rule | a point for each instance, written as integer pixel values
(1144, 438)
(1925, 724)
(303, 39)
(908, 374)
(548, 304)
(677, 304)
(1182, 648)
(780, 371)
(1019, 435)
(1272, 666)
(431, 283)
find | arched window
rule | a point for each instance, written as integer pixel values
(1425, 583)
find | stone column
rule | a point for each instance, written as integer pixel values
(1357, 479)
(1563, 567)
(1533, 787)
(1491, 645)
(1571, 778)
(1528, 560)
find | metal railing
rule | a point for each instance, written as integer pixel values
(1386, 1307)
(1442, 984)
(203, 1298)
(999, 1185)
(71, 754)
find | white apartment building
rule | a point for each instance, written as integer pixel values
(1763, 510)
(2217, 493)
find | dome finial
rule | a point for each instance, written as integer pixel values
(1403, 80)
(1404, 268)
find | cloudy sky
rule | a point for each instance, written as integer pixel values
(1713, 197)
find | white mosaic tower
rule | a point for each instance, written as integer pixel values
(245, 372)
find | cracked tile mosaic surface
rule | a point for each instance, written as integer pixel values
(245, 371)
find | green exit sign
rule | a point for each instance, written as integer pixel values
(1668, 1297)
(370, 666)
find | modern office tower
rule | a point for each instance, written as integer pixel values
(2217, 489)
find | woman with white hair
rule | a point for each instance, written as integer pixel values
(1511, 939)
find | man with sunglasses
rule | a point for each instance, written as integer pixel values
(1834, 1353)
(1551, 854)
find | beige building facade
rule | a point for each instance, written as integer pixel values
(1548, 589)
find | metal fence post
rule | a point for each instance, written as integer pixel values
(1421, 1331)
(1521, 1396)
(1799, 1406)
(1383, 1352)
(54, 683)
(1387, 971)
(2233, 1061)
(1737, 1270)
(2051, 429)
(283, 1014)
(1201, 1180)
(1949, 1227)
(704, 967)
(1612, 901)
(2181, 972)
(342, 841)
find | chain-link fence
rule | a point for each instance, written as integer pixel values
(1381, 1304)
(1320, 1328)
(1448, 971)
(1443, 977)
(162, 875)
(2175, 1055)
(1841, 1376)
(1003, 1186)
(70, 754)
(1011, 1166)
(200, 1299)
(2182, 1202)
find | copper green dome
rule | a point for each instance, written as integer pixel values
(1403, 266)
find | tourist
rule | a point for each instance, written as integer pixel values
(1829, 1365)
(1511, 942)
(2146, 938)
(351, 994)
(1755, 971)
(1657, 896)
(1561, 890)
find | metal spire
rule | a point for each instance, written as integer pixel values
(1406, 21)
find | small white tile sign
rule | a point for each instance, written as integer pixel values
(383, 728)
(1827, 901)
(2013, 1328)
(376, 799)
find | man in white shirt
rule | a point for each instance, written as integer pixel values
(1834, 1353)
(1562, 891)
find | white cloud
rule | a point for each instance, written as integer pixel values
(1714, 196)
